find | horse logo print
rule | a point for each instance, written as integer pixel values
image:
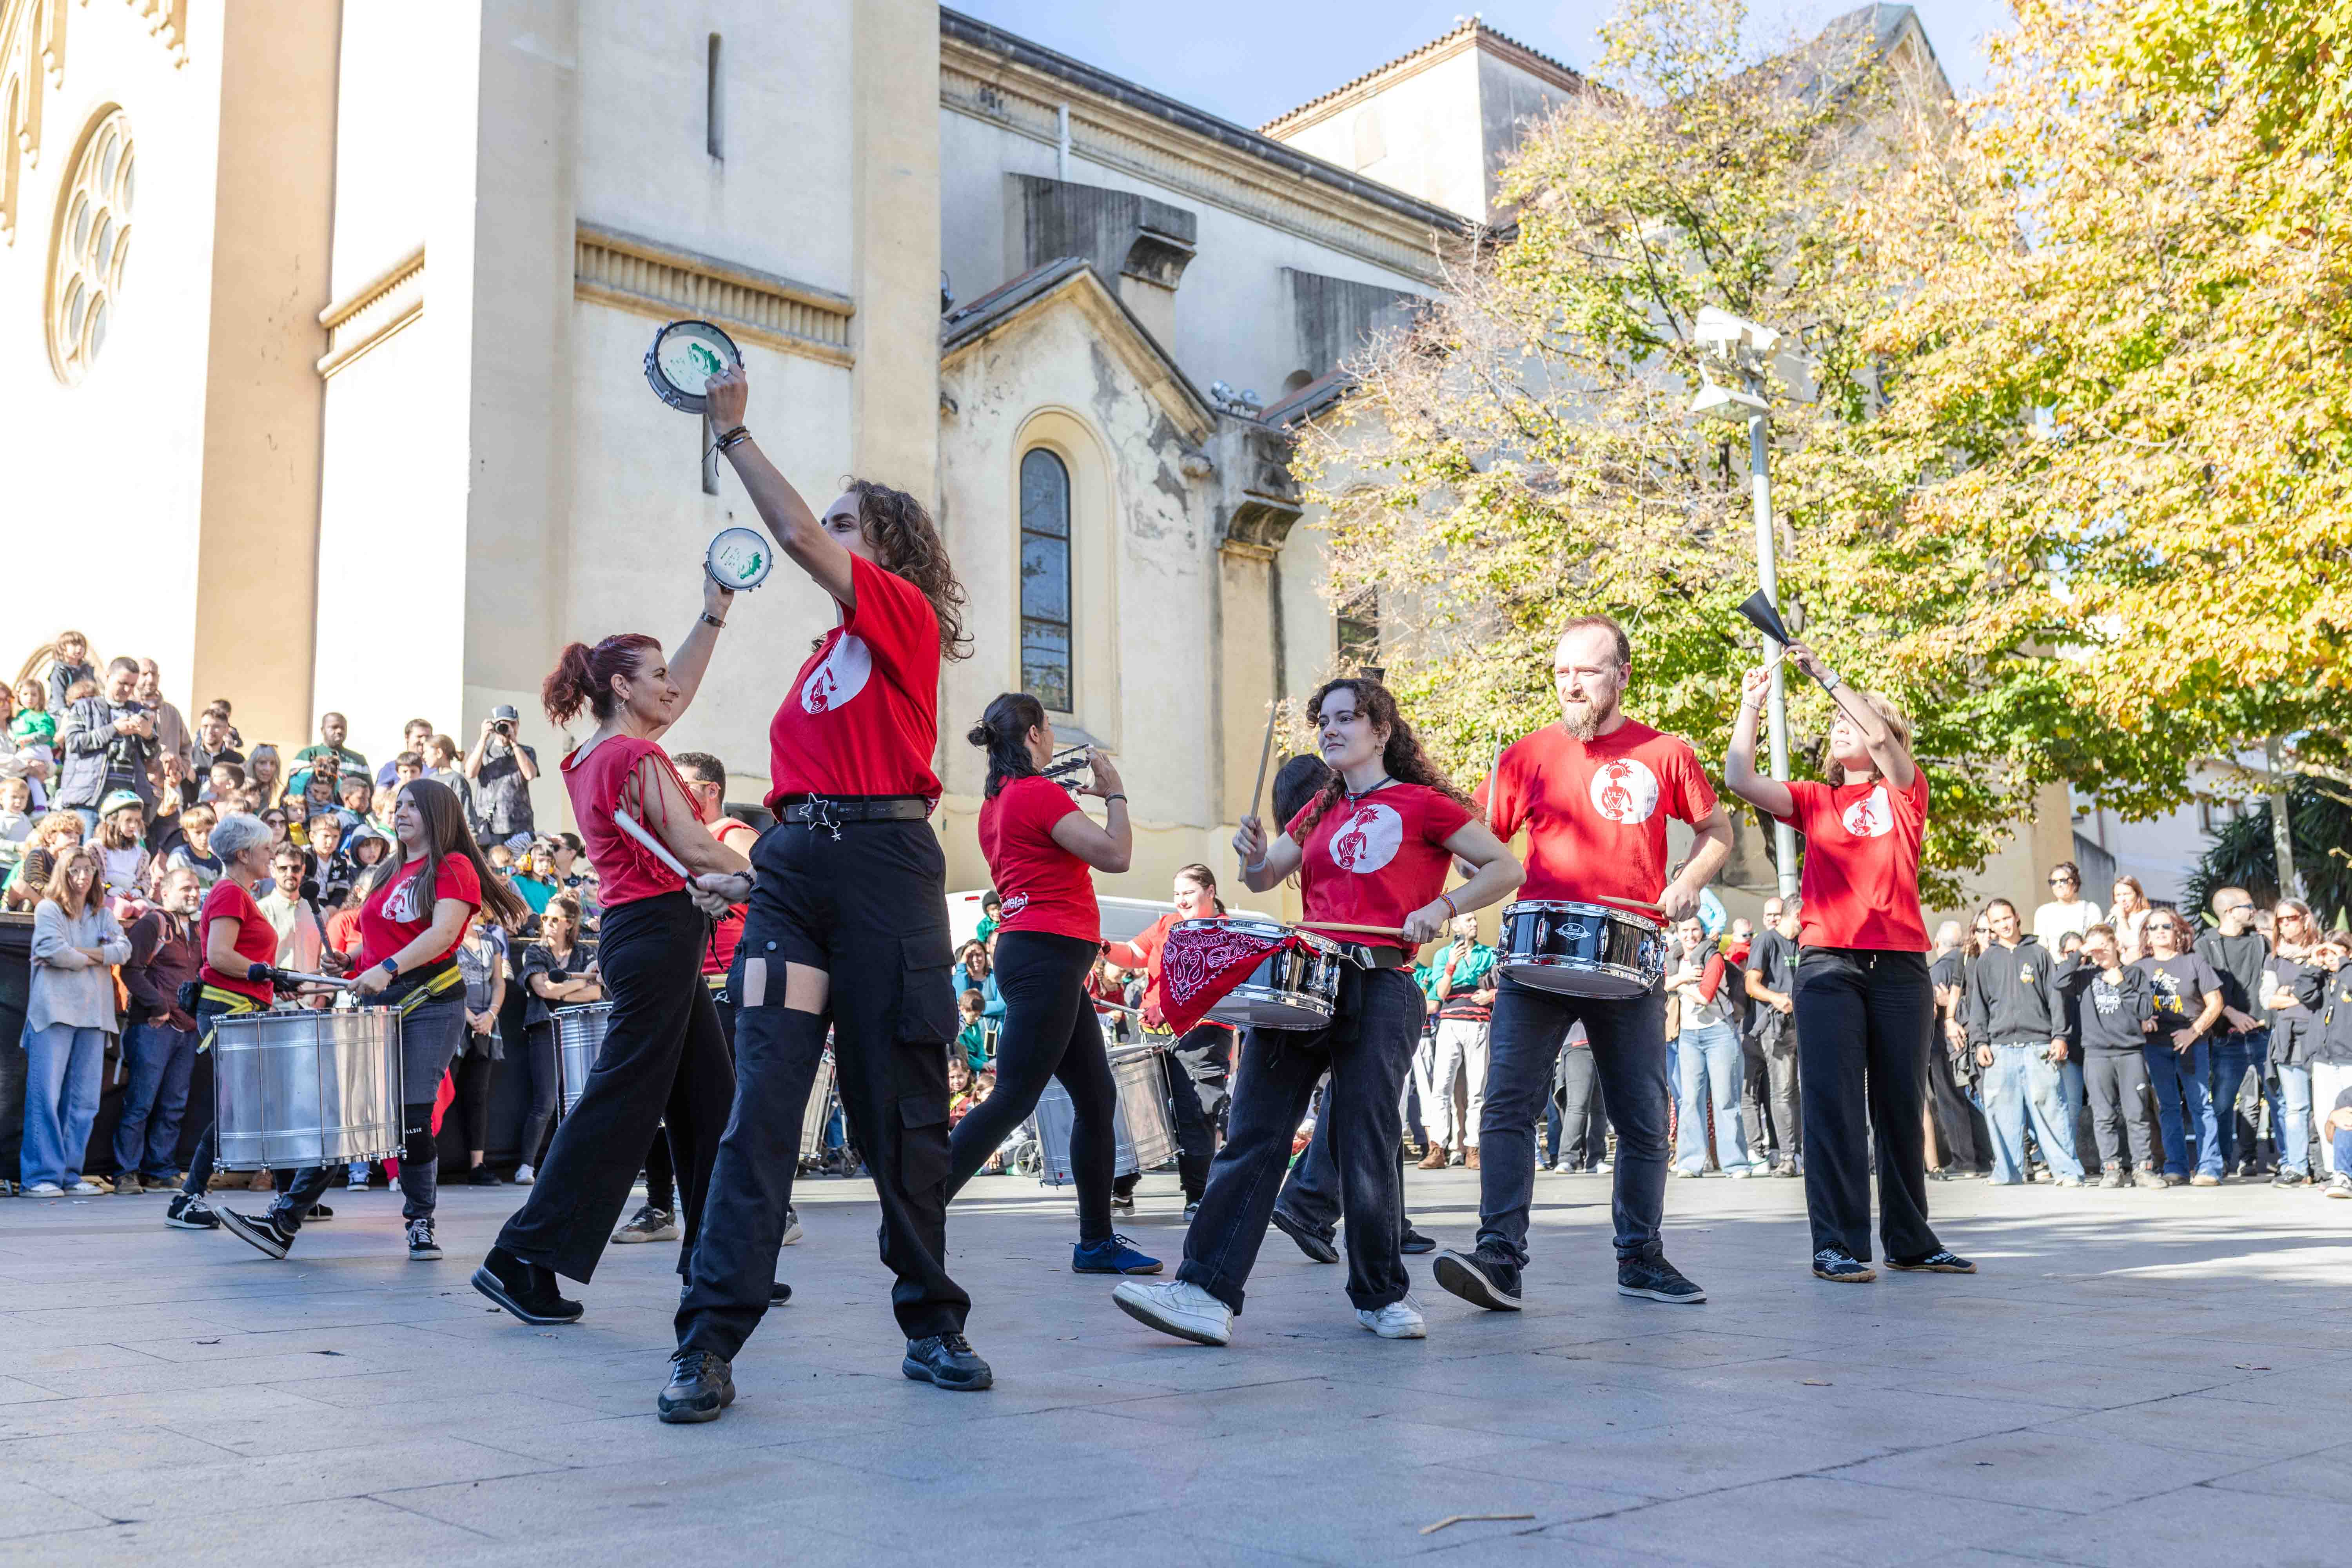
(1872, 816)
(1367, 840)
(1624, 790)
(842, 676)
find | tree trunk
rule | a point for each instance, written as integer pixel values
(2281, 829)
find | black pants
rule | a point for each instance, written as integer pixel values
(1199, 1067)
(663, 1057)
(868, 907)
(200, 1165)
(473, 1071)
(661, 1166)
(1769, 1097)
(2117, 1084)
(1861, 1038)
(1584, 1126)
(1311, 1195)
(1967, 1142)
(1367, 1047)
(1050, 1033)
(539, 1051)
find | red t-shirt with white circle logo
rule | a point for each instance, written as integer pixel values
(1596, 810)
(863, 715)
(1373, 860)
(1044, 886)
(1861, 883)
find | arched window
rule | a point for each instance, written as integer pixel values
(1045, 579)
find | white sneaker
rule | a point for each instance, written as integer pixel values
(1605, 1166)
(792, 1228)
(84, 1190)
(44, 1190)
(525, 1176)
(1397, 1321)
(1740, 1174)
(1180, 1308)
(355, 1179)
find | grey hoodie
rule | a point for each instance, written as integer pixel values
(2013, 996)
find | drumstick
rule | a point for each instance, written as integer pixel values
(1637, 903)
(636, 830)
(1265, 752)
(1361, 930)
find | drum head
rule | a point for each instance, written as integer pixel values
(685, 356)
(740, 559)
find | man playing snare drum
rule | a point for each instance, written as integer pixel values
(1593, 792)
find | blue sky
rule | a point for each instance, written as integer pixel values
(1249, 60)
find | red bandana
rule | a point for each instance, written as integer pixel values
(1202, 964)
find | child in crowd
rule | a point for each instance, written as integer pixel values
(961, 1097)
(973, 1038)
(71, 670)
(52, 836)
(2110, 1004)
(34, 723)
(16, 820)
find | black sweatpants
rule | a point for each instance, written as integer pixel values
(1959, 1125)
(663, 1057)
(661, 1163)
(1199, 1067)
(1050, 1032)
(1862, 1044)
(2118, 1082)
(869, 908)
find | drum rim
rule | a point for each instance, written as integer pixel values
(1245, 923)
(1646, 922)
(1648, 982)
(1281, 998)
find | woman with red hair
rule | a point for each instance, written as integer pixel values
(663, 1053)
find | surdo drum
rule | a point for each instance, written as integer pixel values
(579, 1039)
(1292, 987)
(297, 1088)
(1142, 1133)
(1583, 949)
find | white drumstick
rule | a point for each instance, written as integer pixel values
(636, 830)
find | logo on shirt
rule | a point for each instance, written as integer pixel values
(1367, 840)
(2107, 999)
(842, 676)
(1624, 790)
(400, 906)
(2025, 974)
(1872, 816)
(1014, 903)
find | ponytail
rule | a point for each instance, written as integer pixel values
(1003, 733)
(584, 676)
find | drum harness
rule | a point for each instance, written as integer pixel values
(435, 983)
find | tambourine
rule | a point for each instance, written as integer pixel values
(685, 356)
(739, 558)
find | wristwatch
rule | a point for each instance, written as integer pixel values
(392, 968)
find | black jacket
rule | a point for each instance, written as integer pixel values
(2013, 996)
(2109, 1018)
(2327, 1033)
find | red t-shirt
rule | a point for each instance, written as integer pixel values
(256, 938)
(1373, 860)
(727, 934)
(1596, 810)
(395, 915)
(863, 716)
(1044, 886)
(626, 869)
(1861, 881)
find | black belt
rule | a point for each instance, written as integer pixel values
(1365, 956)
(830, 812)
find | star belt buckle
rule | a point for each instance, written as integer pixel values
(820, 815)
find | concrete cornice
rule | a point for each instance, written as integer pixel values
(664, 282)
(1071, 280)
(385, 304)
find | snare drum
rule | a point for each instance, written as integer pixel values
(1583, 949)
(1294, 988)
(305, 1088)
(579, 1040)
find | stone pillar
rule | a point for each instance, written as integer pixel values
(895, 211)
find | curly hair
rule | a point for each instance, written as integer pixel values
(1403, 756)
(908, 541)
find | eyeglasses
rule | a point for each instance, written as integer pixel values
(2064, 883)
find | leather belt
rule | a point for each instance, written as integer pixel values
(1365, 956)
(831, 812)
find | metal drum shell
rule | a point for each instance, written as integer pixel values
(1293, 988)
(1581, 949)
(579, 1041)
(814, 1117)
(301, 1088)
(1142, 1135)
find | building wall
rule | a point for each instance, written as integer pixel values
(1422, 133)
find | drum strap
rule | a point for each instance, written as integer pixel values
(448, 980)
(228, 999)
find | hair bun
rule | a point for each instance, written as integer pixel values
(978, 735)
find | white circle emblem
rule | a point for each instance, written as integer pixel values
(1872, 816)
(841, 677)
(1624, 790)
(1367, 840)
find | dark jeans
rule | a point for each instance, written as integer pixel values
(1862, 1033)
(1629, 1056)
(1584, 1110)
(868, 907)
(157, 1059)
(420, 1172)
(1311, 1197)
(1367, 1047)
(2118, 1082)
(1050, 1033)
(1199, 1067)
(474, 1072)
(539, 1050)
(2239, 1063)
(663, 1056)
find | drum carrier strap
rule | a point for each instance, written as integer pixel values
(228, 999)
(427, 983)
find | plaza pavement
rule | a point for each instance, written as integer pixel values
(2136, 1378)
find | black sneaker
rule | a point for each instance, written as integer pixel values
(319, 1211)
(1841, 1268)
(1649, 1275)
(1193, 1209)
(481, 1176)
(261, 1230)
(1484, 1278)
(2290, 1179)
(189, 1212)
(1939, 1261)
(422, 1247)
(1415, 1242)
(700, 1385)
(1312, 1242)
(1124, 1202)
(779, 1293)
(523, 1288)
(946, 1361)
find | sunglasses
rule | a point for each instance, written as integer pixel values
(2065, 882)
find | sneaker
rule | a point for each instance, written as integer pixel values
(2339, 1186)
(2204, 1179)
(1648, 1274)
(1940, 1261)
(1603, 1168)
(1483, 1278)
(1789, 1168)
(2173, 1180)
(1741, 1174)
(2069, 1182)
(261, 1230)
(1114, 1256)
(1397, 1321)
(526, 1290)
(1312, 1242)
(1193, 1209)
(1691, 1175)
(2149, 1179)
(2290, 1179)
(481, 1176)
(1564, 1169)
(44, 1190)
(127, 1184)
(1841, 1268)
(525, 1176)
(1415, 1242)
(85, 1188)
(778, 1294)
(1180, 1308)
(946, 1361)
(318, 1211)
(189, 1212)
(2111, 1180)
(791, 1226)
(355, 1177)
(648, 1223)
(700, 1385)
(422, 1247)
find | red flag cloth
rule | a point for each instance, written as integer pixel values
(1201, 964)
